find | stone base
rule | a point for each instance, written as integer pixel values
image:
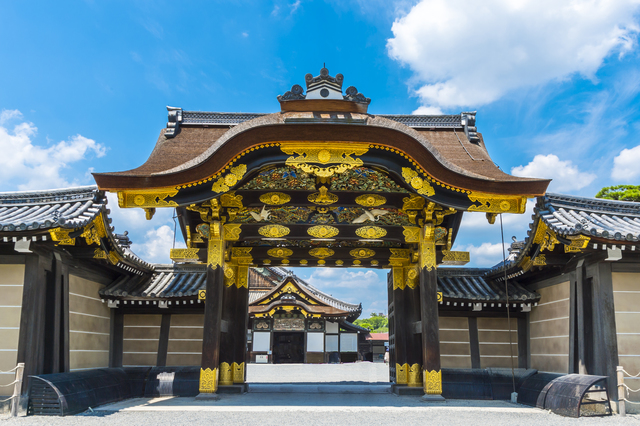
(207, 397)
(237, 388)
(433, 398)
(406, 390)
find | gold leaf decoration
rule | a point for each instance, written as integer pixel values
(61, 236)
(493, 203)
(455, 257)
(313, 156)
(208, 380)
(321, 252)
(371, 200)
(370, 232)
(280, 252)
(274, 231)
(421, 186)
(323, 231)
(225, 183)
(238, 372)
(322, 197)
(147, 198)
(226, 374)
(232, 231)
(401, 373)
(413, 202)
(414, 376)
(411, 234)
(275, 198)
(362, 253)
(181, 255)
(433, 382)
(230, 199)
(99, 254)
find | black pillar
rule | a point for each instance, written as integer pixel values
(212, 330)
(116, 343)
(474, 342)
(401, 327)
(240, 325)
(430, 331)
(227, 337)
(412, 306)
(163, 341)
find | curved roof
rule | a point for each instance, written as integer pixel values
(439, 144)
(470, 284)
(35, 210)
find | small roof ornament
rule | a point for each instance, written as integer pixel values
(324, 87)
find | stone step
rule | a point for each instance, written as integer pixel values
(317, 388)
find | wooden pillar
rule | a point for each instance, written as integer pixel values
(432, 374)
(391, 318)
(227, 337)
(401, 325)
(212, 312)
(413, 344)
(163, 341)
(64, 271)
(240, 324)
(523, 341)
(116, 344)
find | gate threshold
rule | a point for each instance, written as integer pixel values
(323, 388)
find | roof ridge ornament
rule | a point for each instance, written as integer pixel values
(325, 87)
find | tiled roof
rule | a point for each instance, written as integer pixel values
(469, 284)
(594, 217)
(66, 208)
(166, 281)
(234, 118)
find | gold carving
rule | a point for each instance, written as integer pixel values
(61, 236)
(578, 243)
(455, 257)
(274, 231)
(230, 179)
(374, 262)
(275, 198)
(322, 197)
(304, 262)
(491, 217)
(230, 199)
(370, 232)
(411, 274)
(339, 262)
(398, 278)
(202, 294)
(401, 373)
(147, 198)
(540, 260)
(208, 380)
(113, 257)
(427, 248)
(323, 231)
(279, 252)
(439, 297)
(232, 231)
(433, 382)
(99, 254)
(413, 202)
(399, 257)
(411, 234)
(230, 275)
(416, 182)
(371, 200)
(321, 252)
(414, 376)
(362, 253)
(238, 372)
(541, 230)
(309, 154)
(493, 203)
(181, 255)
(215, 252)
(226, 374)
(243, 276)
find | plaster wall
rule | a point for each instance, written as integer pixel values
(141, 335)
(455, 351)
(89, 325)
(185, 340)
(549, 329)
(11, 282)
(493, 338)
(626, 296)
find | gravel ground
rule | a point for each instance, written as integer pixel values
(283, 409)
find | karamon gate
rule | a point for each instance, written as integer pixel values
(321, 183)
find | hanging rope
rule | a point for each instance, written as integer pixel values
(9, 371)
(175, 227)
(506, 290)
(629, 374)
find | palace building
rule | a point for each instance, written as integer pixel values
(320, 183)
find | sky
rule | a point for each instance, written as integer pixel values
(556, 85)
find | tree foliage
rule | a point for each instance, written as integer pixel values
(376, 323)
(620, 193)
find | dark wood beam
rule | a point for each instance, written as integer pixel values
(163, 341)
(116, 338)
(474, 342)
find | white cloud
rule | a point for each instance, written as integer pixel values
(566, 176)
(472, 53)
(625, 165)
(487, 254)
(157, 244)
(31, 166)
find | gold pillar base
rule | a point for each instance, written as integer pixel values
(402, 374)
(226, 374)
(208, 380)
(238, 372)
(433, 382)
(414, 376)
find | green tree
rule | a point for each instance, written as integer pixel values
(376, 323)
(620, 193)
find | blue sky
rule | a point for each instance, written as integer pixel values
(84, 85)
